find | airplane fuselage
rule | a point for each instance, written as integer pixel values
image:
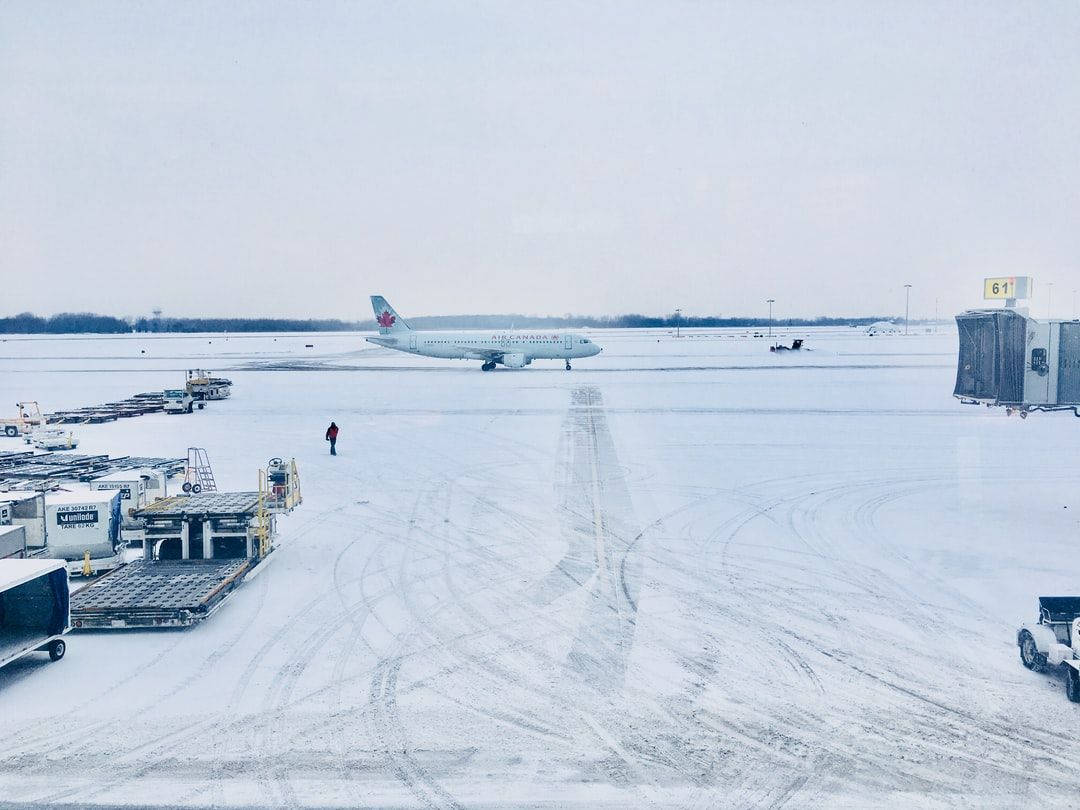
(518, 347)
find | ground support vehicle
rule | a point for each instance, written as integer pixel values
(52, 439)
(29, 417)
(206, 526)
(34, 613)
(178, 400)
(196, 550)
(158, 593)
(279, 486)
(202, 386)
(1054, 640)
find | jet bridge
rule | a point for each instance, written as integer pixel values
(1011, 360)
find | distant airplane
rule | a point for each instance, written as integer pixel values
(514, 349)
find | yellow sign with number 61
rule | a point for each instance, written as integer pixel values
(1008, 287)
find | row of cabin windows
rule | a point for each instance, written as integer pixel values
(495, 341)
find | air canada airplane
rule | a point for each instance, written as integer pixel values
(512, 349)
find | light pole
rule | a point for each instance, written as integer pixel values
(770, 302)
(1074, 304)
(907, 305)
(1049, 291)
(678, 316)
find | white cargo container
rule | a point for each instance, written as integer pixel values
(26, 509)
(137, 488)
(12, 542)
(84, 523)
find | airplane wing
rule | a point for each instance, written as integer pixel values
(482, 352)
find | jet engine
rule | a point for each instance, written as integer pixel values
(515, 360)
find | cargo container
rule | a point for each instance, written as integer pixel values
(26, 509)
(12, 542)
(137, 488)
(84, 529)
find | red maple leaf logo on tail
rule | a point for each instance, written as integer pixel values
(386, 320)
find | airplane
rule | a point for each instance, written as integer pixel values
(513, 349)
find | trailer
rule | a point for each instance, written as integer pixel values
(197, 549)
(34, 609)
(1053, 641)
(42, 471)
(159, 593)
(1009, 359)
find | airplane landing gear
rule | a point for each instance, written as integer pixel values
(487, 366)
(567, 365)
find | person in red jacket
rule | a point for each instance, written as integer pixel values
(331, 436)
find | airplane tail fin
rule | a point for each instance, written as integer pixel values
(387, 319)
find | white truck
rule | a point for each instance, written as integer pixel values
(34, 609)
(178, 400)
(1053, 641)
(83, 528)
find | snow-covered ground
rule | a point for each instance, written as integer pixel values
(687, 573)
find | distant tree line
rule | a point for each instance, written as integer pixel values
(88, 323)
(66, 323)
(630, 321)
(244, 325)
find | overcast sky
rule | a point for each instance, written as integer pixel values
(280, 159)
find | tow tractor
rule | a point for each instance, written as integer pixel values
(1054, 641)
(202, 386)
(29, 417)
